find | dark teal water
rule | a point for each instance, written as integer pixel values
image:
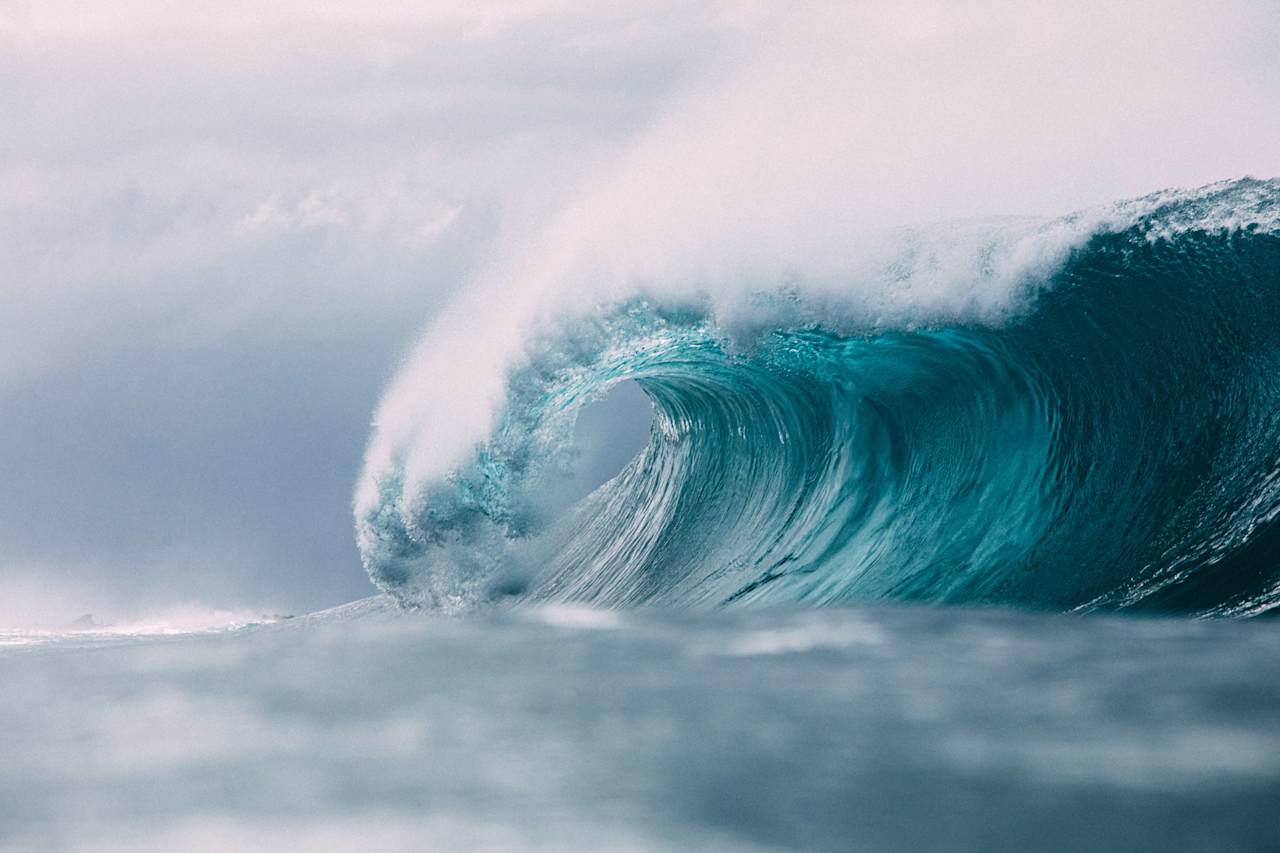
(1110, 442)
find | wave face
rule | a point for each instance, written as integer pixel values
(1111, 444)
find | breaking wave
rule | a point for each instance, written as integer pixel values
(1087, 420)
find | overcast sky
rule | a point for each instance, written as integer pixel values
(222, 226)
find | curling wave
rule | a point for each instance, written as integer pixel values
(1106, 439)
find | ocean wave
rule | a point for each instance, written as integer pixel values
(1072, 414)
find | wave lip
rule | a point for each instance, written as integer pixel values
(1086, 422)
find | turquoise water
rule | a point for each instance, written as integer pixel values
(1104, 441)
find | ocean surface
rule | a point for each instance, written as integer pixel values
(560, 727)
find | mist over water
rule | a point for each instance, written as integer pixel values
(791, 261)
(795, 166)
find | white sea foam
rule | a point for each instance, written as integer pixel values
(176, 619)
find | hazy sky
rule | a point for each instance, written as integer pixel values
(222, 226)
